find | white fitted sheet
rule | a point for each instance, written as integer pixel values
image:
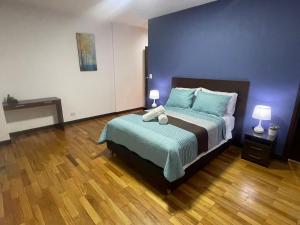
(229, 123)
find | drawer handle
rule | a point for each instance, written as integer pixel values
(254, 156)
(256, 148)
(18, 106)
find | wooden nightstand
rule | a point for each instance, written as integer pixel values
(258, 147)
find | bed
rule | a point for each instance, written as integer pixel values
(168, 155)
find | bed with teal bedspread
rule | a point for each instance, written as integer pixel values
(167, 146)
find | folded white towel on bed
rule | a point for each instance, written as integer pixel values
(154, 113)
(163, 119)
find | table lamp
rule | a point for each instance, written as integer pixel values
(154, 94)
(261, 112)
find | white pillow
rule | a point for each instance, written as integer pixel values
(232, 102)
(196, 89)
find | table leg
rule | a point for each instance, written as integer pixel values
(60, 116)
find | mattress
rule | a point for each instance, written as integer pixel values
(169, 147)
(229, 124)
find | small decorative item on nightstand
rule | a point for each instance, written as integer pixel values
(273, 130)
(154, 94)
(258, 147)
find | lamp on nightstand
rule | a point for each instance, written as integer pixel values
(261, 112)
(154, 94)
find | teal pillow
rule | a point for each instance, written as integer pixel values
(180, 98)
(211, 103)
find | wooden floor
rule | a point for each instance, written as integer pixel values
(56, 177)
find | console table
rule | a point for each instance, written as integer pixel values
(36, 103)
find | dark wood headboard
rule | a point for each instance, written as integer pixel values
(239, 87)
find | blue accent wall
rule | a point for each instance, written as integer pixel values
(255, 40)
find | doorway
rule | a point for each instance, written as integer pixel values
(146, 75)
(292, 150)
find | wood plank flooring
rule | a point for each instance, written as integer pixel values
(63, 177)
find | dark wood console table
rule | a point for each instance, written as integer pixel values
(36, 103)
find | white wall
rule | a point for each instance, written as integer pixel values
(3, 127)
(39, 59)
(129, 61)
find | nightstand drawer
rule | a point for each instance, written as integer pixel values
(258, 147)
(257, 158)
(256, 152)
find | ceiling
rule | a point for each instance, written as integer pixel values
(134, 12)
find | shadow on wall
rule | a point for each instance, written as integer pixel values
(31, 114)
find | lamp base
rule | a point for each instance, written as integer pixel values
(259, 129)
(154, 105)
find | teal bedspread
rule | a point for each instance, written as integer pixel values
(167, 146)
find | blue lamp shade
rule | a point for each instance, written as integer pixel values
(261, 112)
(154, 94)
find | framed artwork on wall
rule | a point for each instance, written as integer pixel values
(86, 51)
